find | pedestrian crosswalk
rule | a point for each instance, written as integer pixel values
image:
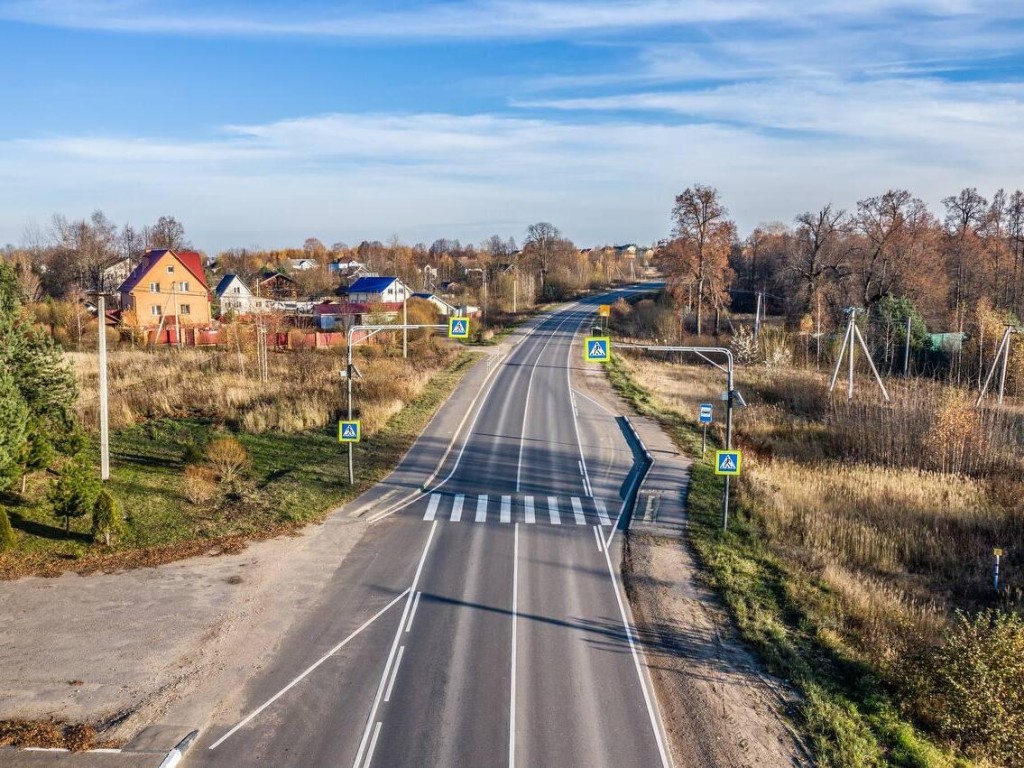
(512, 508)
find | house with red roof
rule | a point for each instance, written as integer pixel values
(166, 289)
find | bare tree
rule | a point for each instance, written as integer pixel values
(167, 233)
(700, 253)
(965, 215)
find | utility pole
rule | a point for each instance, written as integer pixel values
(850, 339)
(757, 317)
(101, 306)
(906, 351)
(405, 324)
(1002, 356)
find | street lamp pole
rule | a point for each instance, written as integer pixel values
(730, 397)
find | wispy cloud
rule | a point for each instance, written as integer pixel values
(461, 20)
(362, 176)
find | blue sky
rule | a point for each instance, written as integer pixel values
(259, 123)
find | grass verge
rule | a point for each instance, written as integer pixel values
(847, 715)
(294, 479)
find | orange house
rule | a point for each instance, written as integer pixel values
(167, 289)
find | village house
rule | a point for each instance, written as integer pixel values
(277, 285)
(302, 265)
(378, 290)
(236, 298)
(166, 288)
(443, 307)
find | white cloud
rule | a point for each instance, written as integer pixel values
(471, 20)
(350, 177)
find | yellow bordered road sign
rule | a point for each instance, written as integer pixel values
(604, 310)
(458, 327)
(728, 462)
(349, 432)
(597, 349)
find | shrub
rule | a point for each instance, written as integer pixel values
(228, 457)
(75, 490)
(8, 540)
(107, 517)
(980, 677)
(199, 484)
(192, 454)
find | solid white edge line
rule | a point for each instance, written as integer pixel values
(588, 489)
(599, 404)
(373, 743)
(412, 613)
(394, 648)
(654, 717)
(597, 533)
(308, 669)
(515, 613)
(391, 684)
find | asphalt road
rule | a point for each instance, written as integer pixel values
(483, 624)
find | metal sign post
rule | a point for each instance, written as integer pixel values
(731, 396)
(705, 415)
(350, 371)
(995, 577)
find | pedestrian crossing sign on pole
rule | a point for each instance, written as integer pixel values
(458, 327)
(597, 349)
(349, 432)
(604, 310)
(728, 462)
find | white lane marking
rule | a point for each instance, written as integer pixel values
(599, 404)
(602, 512)
(391, 685)
(460, 498)
(515, 613)
(481, 508)
(394, 648)
(305, 672)
(597, 535)
(587, 488)
(412, 613)
(528, 505)
(636, 661)
(577, 511)
(553, 511)
(373, 744)
(506, 509)
(529, 387)
(435, 499)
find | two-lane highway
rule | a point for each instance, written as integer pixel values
(483, 623)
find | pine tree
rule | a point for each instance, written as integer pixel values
(14, 434)
(8, 540)
(74, 493)
(107, 517)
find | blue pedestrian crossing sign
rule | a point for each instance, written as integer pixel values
(349, 432)
(728, 462)
(458, 327)
(705, 414)
(597, 349)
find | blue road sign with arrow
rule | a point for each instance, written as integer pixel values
(349, 432)
(597, 349)
(706, 413)
(728, 462)
(458, 327)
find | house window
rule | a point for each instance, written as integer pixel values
(154, 287)
(170, 269)
(184, 287)
(155, 311)
(186, 309)
(238, 289)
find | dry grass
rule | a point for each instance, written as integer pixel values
(896, 507)
(304, 391)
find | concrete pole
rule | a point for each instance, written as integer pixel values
(728, 439)
(104, 408)
(405, 321)
(850, 351)
(906, 351)
(348, 385)
(1006, 348)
